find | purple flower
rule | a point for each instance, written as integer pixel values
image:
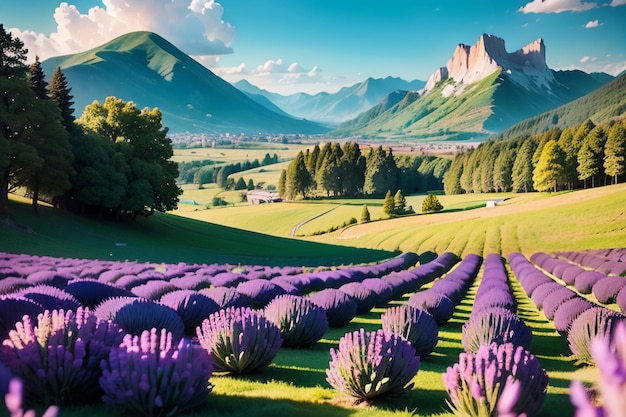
(373, 365)
(415, 325)
(436, 304)
(606, 289)
(364, 297)
(301, 322)
(191, 306)
(596, 322)
(260, 291)
(497, 325)
(340, 307)
(90, 293)
(13, 401)
(227, 297)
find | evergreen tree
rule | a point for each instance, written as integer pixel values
(399, 203)
(570, 148)
(60, 93)
(452, 177)
(12, 55)
(388, 205)
(615, 151)
(311, 162)
(298, 180)
(522, 173)
(549, 168)
(250, 185)
(591, 155)
(503, 167)
(37, 80)
(381, 172)
(352, 168)
(240, 184)
(431, 204)
(282, 182)
(365, 214)
(490, 155)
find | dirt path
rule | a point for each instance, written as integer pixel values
(294, 229)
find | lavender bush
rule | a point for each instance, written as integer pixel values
(436, 304)
(139, 315)
(475, 384)
(597, 322)
(415, 325)
(567, 312)
(191, 306)
(260, 291)
(13, 309)
(340, 307)
(373, 365)
(150, 375)
(621, 300)
(494, 325)
(606, 289)
(383, 290)
(90, 293)
(227, 297)
(13, 401)
(301, 322)
(364, 297)
(59, 357)
(241, 340)
(50, 298)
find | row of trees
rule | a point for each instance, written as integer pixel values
(576, 157)
(333, 170)
(114, 158)
(206, 171)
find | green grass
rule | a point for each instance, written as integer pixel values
(163, 238)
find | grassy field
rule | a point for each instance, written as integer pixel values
(234, 155)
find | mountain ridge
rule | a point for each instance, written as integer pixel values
(147, 69)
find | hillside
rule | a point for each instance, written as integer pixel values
(600, 105)
(343, 105)
(482, 90)
(162, 238)
(147, 69)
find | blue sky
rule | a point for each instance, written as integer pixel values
(289, 46)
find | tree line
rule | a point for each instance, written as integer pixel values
(333, 170)
(581, 156)
(206, 171)
(114, 159)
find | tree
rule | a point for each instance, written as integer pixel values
(282, 182)
(365, 214)
(240, 184)
(60, 93)
(431, 204)
(452, 177)
(388, 204)
(591, 155)
(298, 180)
(522, 173)
(503, 167)
(549, 168)
(352, 169)
(381, 172)
(399, 203)
(615, 151)
(139, 136)
(12, 55)
(250, 185)
(37, 80)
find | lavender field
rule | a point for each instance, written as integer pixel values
(159, 339)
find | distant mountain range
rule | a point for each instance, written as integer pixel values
(332, 108)
(482, 90)
(145, 68)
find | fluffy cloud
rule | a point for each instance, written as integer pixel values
(592, 24)
(616, 3)
(557, 6)
(194, 26)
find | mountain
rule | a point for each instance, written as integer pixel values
(606, 102)
(483, 89)
(345, 104)
(145, 68)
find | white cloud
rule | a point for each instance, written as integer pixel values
(616, 3)
(585, 59)
(592, 24)
(194, 26)
(557, 6)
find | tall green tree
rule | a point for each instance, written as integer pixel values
(431, 204)
(37, 80)
(12, 55)
(352, 168)
(381, 172)
(549, 169)
(452, 177)
(141, 138)
(365, 214)
(399, 203)
(60, 92)
(522, 173)
(503, 167)
(298, 180)
(282, 183)
(388, 204)
(615, 151)
(591, 155)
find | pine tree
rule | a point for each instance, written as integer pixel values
(250, 185)
(502, 168)
(240, 184)
(591, 155)
(12, 55)
(37, 80)
(282, 181)
(365, 214)
(399, 203)
(431, 204)
(60, 92)
(452, 177)
(522, 173)
(388, 205)
(298, 180)
(549, 168)
(615, 151)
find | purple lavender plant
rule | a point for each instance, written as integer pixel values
(340, 307)
(260, 291)
(241, 340)
(606, 289)
(597, 322)
(567, 312)
(151, 376)
(191, 306)
(59, 357)
(50, 298)
(373, 365)
(494, 325)
(584, 282)
(227, 297)
(475, 384)
(139, 315)
(90, 293)
(415, 325)
(13, 401)
(301, 322)
(364, 297)
(382, 288)
(436, 304)
(13, 309)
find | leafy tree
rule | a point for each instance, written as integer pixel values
(380, 172)
(12, 55)
(431, 204)
(522, 173)
(60, 93)
(139, 136)
(503, 167)
(298, 180)
(388, 205)
(352, 169)
(240, 184)
(329, 176)
(591, 155)
(365, 214)
(615, 151)
(250, 185)
(399, 203)
(452, 177)
(549, 168)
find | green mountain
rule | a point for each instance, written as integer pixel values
(600, 105)
(483, 90)
(147, 69)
